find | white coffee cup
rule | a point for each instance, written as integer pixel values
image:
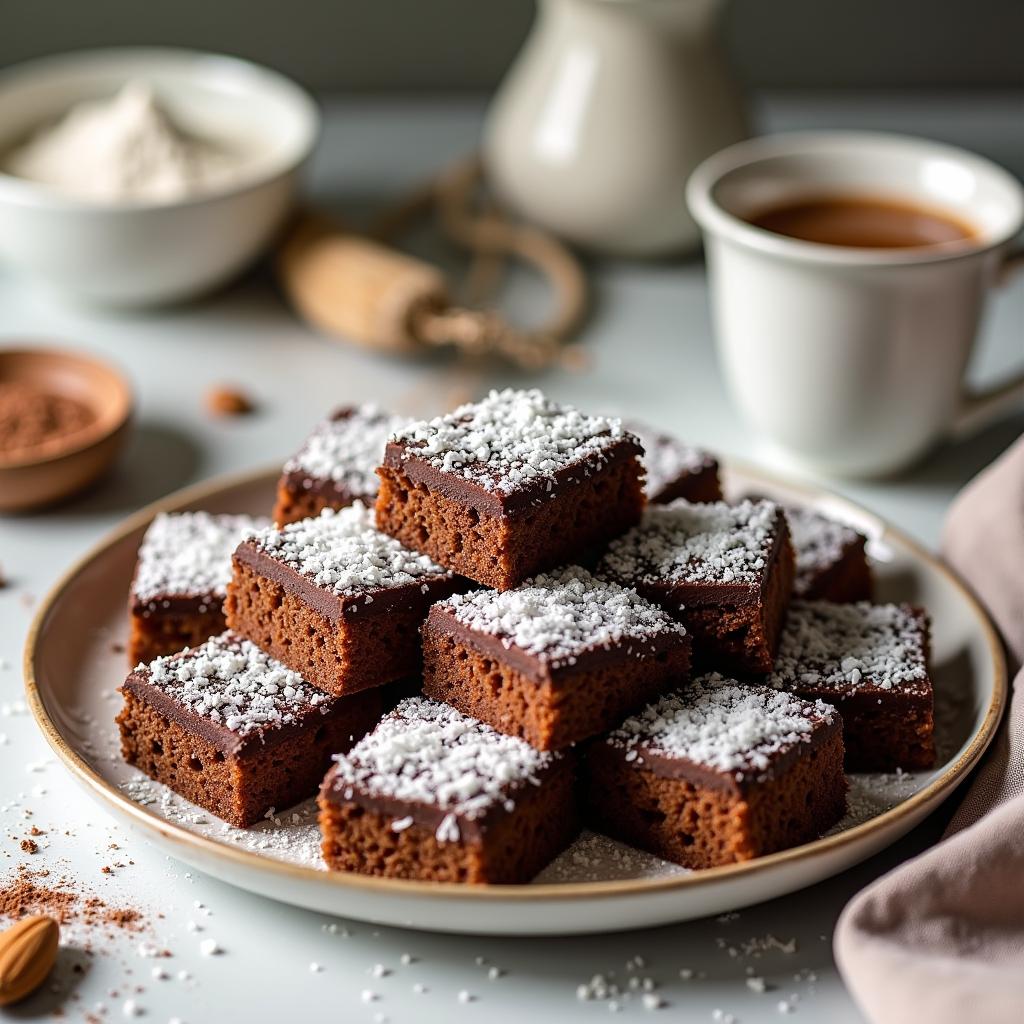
(851, 361)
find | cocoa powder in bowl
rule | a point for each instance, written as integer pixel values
(64, 417)
(32, 419)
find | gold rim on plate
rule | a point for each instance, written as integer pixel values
(538, 892)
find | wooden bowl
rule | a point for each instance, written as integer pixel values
(60, 467)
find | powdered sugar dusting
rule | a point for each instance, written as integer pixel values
(666, 458)
(843, 646)
(230, 681)
(684, 542)
(721, 724)
(512, 439)
(425, 752)
(560, 615)
(343, 551)
(292, 836)
(188, 554)
(819, 543)
(346, 449)
(597, 858)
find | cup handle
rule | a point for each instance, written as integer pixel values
(978, 407)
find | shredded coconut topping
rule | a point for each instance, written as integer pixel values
(428, 753)
(232, 682)
(818, 544)
(721, 724)
(684, 542)
(666, 458)
(346, 448)
(343, 551)
(560, 615)
(189, 554)
(512, 439)
(839, 646)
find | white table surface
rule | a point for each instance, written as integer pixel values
(651, 350)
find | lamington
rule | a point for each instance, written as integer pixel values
(831, 563)
(335, 599)
(726, 571)
(510, 486)
(234, 731)
(560, 658)
(177, 593)
(718, 772)
(871, 662)
(337, 463)
(676, 470)
(435, 795)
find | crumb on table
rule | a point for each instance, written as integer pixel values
(228, 401)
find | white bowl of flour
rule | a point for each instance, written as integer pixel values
(138, 177)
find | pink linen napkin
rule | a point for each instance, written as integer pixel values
(941, 938)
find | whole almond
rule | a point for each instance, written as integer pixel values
(27, 952)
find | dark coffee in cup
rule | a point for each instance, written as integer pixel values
(863, 222)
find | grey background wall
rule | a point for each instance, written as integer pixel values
(373, 45)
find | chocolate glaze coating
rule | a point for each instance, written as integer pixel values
(335, 607)
(683, 595)
(534, 667)
(698, 774)
(214, 733)
(399, 455)
(429, 816)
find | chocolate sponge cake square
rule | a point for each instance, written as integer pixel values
(871, 662)
(234, 731)
(726, 571)
(510, 486)
(831, 563)
(337, 463)
(718, 772)
(558, 659)
(335, 599)
(432, 794)
(676, 470)
(181, 577)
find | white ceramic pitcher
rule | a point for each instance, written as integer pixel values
(607, 110)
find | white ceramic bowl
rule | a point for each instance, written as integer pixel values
(150, 253)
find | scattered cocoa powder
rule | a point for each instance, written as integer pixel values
(31, 418)
(226, 401)
(24, 893)
(29, 846)
(124, 917)
(35, 830)
(117, 648)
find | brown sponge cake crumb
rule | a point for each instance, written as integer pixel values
(337, 463)
(558, 659)
(718, 773)
(675, 469)
(181, 577)
(831, 563)
(335, 599)
(510, 486)
(435, 795)
(871, 662)
(726, 571)
(234, 731)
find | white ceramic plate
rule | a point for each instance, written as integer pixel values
(74, 661)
